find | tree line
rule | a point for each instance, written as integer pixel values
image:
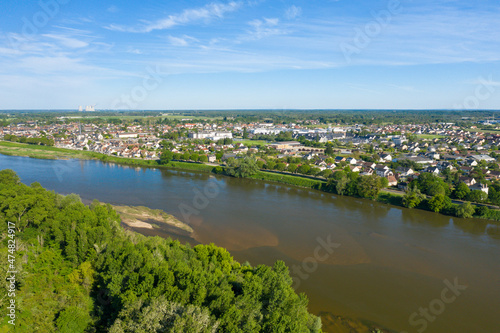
(44, 141)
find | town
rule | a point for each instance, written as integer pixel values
(453, 153)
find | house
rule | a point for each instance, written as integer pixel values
(369, 165)
(494, 174)
(470, 162)
(227, 156)
(466, 169)
(433, 155)
(433, 170)
(480, 187)
(339, 159)
(367, 172)
(351, 160)
(385, 158)
(354, 168)
(392, 180)
(399, 140)
(483, 157)
(382, 171)
(212, 158)
(469, 181)
(331, 166)
(404, 172)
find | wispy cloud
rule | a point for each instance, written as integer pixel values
(181, 41)
(293, 12)
(208, 12)
(66, 41)
(134, 51)
(264, 28)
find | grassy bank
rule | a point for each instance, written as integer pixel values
(288, 179)
(45, 152)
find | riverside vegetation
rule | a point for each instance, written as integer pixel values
(79, 271)
(428, 192)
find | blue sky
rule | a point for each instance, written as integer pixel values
(245, 54)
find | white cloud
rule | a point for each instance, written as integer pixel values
(176, 41)
(134, 51)
(293, 12)
(264, 28)
(66, 41)
(208, 12)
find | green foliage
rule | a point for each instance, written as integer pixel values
(369, 186)
(165, 157)
(465, 210)
(218, 170)
(329, 150)
(280, 166)
(431, 185)
(242, 167)
(326, 173)
(412, 197)
(44, 141)
(288, 179)
(84, 273)
(73, 320)
(461, 191)
(494, 196)
(162, 315)
(303, 169)
(439, 202)
(338, 182)
(477, 196)
(292, 167)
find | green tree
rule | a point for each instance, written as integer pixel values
(280, 166)
(329, 150)
(242, 167)
(465, 210)
(494, 196)
(438, 202)
(292, 167)
(338, 182)
(314, 171)
(461, 191)
(477, 196)
(413, 197)
(165, 157)
(369, 186)
(326, 173)
(270, 165)
(303, 169)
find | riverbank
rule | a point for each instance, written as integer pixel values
(45, 152)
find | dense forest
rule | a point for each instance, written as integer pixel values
(78, 270)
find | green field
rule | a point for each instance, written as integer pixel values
(430, 136)
(250, 143)
(474, 130)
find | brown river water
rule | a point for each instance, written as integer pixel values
(407, 270)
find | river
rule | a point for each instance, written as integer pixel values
(408, 270)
